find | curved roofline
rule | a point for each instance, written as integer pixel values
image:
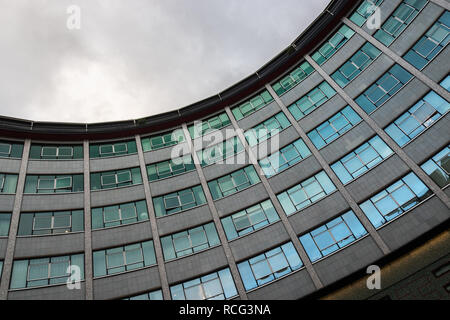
(288, 58)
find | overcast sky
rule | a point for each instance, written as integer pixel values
(134, 58)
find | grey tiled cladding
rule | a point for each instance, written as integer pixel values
(259, 116)
(292, 287)
(312, 81)
(417, 28)
(343, 263)
(254, 243)
(217, 170)
(52, 202)
(384, 174)
(184, 220)
(56, 166)
(49, 246)
(10, 165)
(114, 163)
(100, 198)
(126, 284)
(163, 154)
(59, 292)
(242, 199)
(318, 213)
(7, 202)
(347, 142)
(121, 235)
(419, 220)
(3, 244)
(178, 182)
(196, 265)
(434, 70)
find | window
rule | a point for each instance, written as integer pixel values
(45, 271)
(361, 160)
(112, 149)
(8, 183)
(418, 118)
(56, 152)
(269, 266)
(285, 158)
(162, 140)
(115, 179)
(254, 104)
(214, 286)
(438, 167)
(170, 168)
(205, 126)
(1, 268)
(332, 45)
(190, 241)
(5, 220)
(332, 236)
(267, 129)
(11, 149)
(294, 78)
(334, 127)
(43, 223)
(179, 201)
(429, 46)
(356, 64)
(250, 219)
(395, 200)
(219, 152)
(306, 193)
(446, 83)
(54, 184)
(121, 214)
(154, 295)
(122, 259)
(364, 11)
(234, 182)
(312, 100)
(388, 85)
(399, 21)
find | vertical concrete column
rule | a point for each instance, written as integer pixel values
(284, 219)
(443, 3)
(153, 225)
(383, 135)
(88, 266)
(223, 239)
(396, 58)
(14, 225)
(351, 202)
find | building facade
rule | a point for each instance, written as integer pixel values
(361, 172)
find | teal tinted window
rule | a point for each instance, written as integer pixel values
(306, 193)
(395, 200)
(312, 100)
(334, 127)
(285, 158)
(234, 182)
(254, 104)
(120, 214)
(399, 21)
(356, 64)
(10, 149)
(250, 219)
(294, 78)
(154, 295)
(179, 201)
(219, 152)
(170, 168)
(361, 160)
(214, 286)
(332, 45)
(56, 152)
(267, 129)
(332, 236)
(115, 179)
(438, 167)
(205, 126)
(44, 223)
(269, 266)
(54, 184)
(364, 11)
(189, 241)
(446, 83)
(5, 221)
(45, 271)
(162, 140)
(112, 149)
(123, 259)
(8, 183)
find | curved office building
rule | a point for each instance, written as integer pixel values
(334, 156)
